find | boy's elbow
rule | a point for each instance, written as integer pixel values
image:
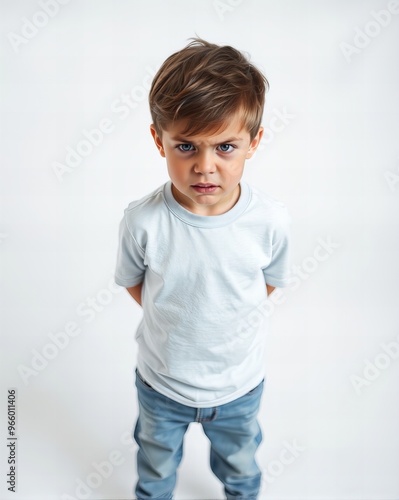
(135, 292)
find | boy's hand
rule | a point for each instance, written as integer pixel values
(269, 289)
(135, 292)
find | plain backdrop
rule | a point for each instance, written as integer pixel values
(330, 410)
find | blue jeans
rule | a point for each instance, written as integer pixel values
(232, 429)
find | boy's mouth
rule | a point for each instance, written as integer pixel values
(205, 188)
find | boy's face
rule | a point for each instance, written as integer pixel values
(205, 169)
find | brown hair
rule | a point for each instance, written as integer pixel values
(206, 84)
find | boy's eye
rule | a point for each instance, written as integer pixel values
(226, 148)
(188, 148)
(185, 147)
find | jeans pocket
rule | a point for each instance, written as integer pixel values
(259, 386)
(140, 378)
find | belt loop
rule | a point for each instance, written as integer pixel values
(198, 415)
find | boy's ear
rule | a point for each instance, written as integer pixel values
(157, 140)
(255, 143)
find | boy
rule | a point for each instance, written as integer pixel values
(200, 254)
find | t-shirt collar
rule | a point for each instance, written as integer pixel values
(207, 220)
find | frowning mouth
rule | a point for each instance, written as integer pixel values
(205, 188)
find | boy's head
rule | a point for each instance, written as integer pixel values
(206, 85)
(206, 104)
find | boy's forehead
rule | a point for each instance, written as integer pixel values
(225, 131)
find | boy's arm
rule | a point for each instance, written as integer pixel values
(135, 292)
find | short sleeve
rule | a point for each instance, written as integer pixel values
(130, 267)
(278, 272)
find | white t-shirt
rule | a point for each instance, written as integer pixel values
(204, 281)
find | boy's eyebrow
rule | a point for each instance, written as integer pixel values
(231, 139)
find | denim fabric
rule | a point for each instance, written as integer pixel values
(232, 429)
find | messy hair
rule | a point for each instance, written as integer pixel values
(205, 85)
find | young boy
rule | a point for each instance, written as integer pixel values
(200, 254)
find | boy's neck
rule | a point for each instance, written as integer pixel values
(223, 206)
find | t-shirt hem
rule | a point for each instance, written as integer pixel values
(207, 404)
(280, 283)
(127, 282)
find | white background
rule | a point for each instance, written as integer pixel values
(332, 389)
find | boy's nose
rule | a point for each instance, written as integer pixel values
(204, 164)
